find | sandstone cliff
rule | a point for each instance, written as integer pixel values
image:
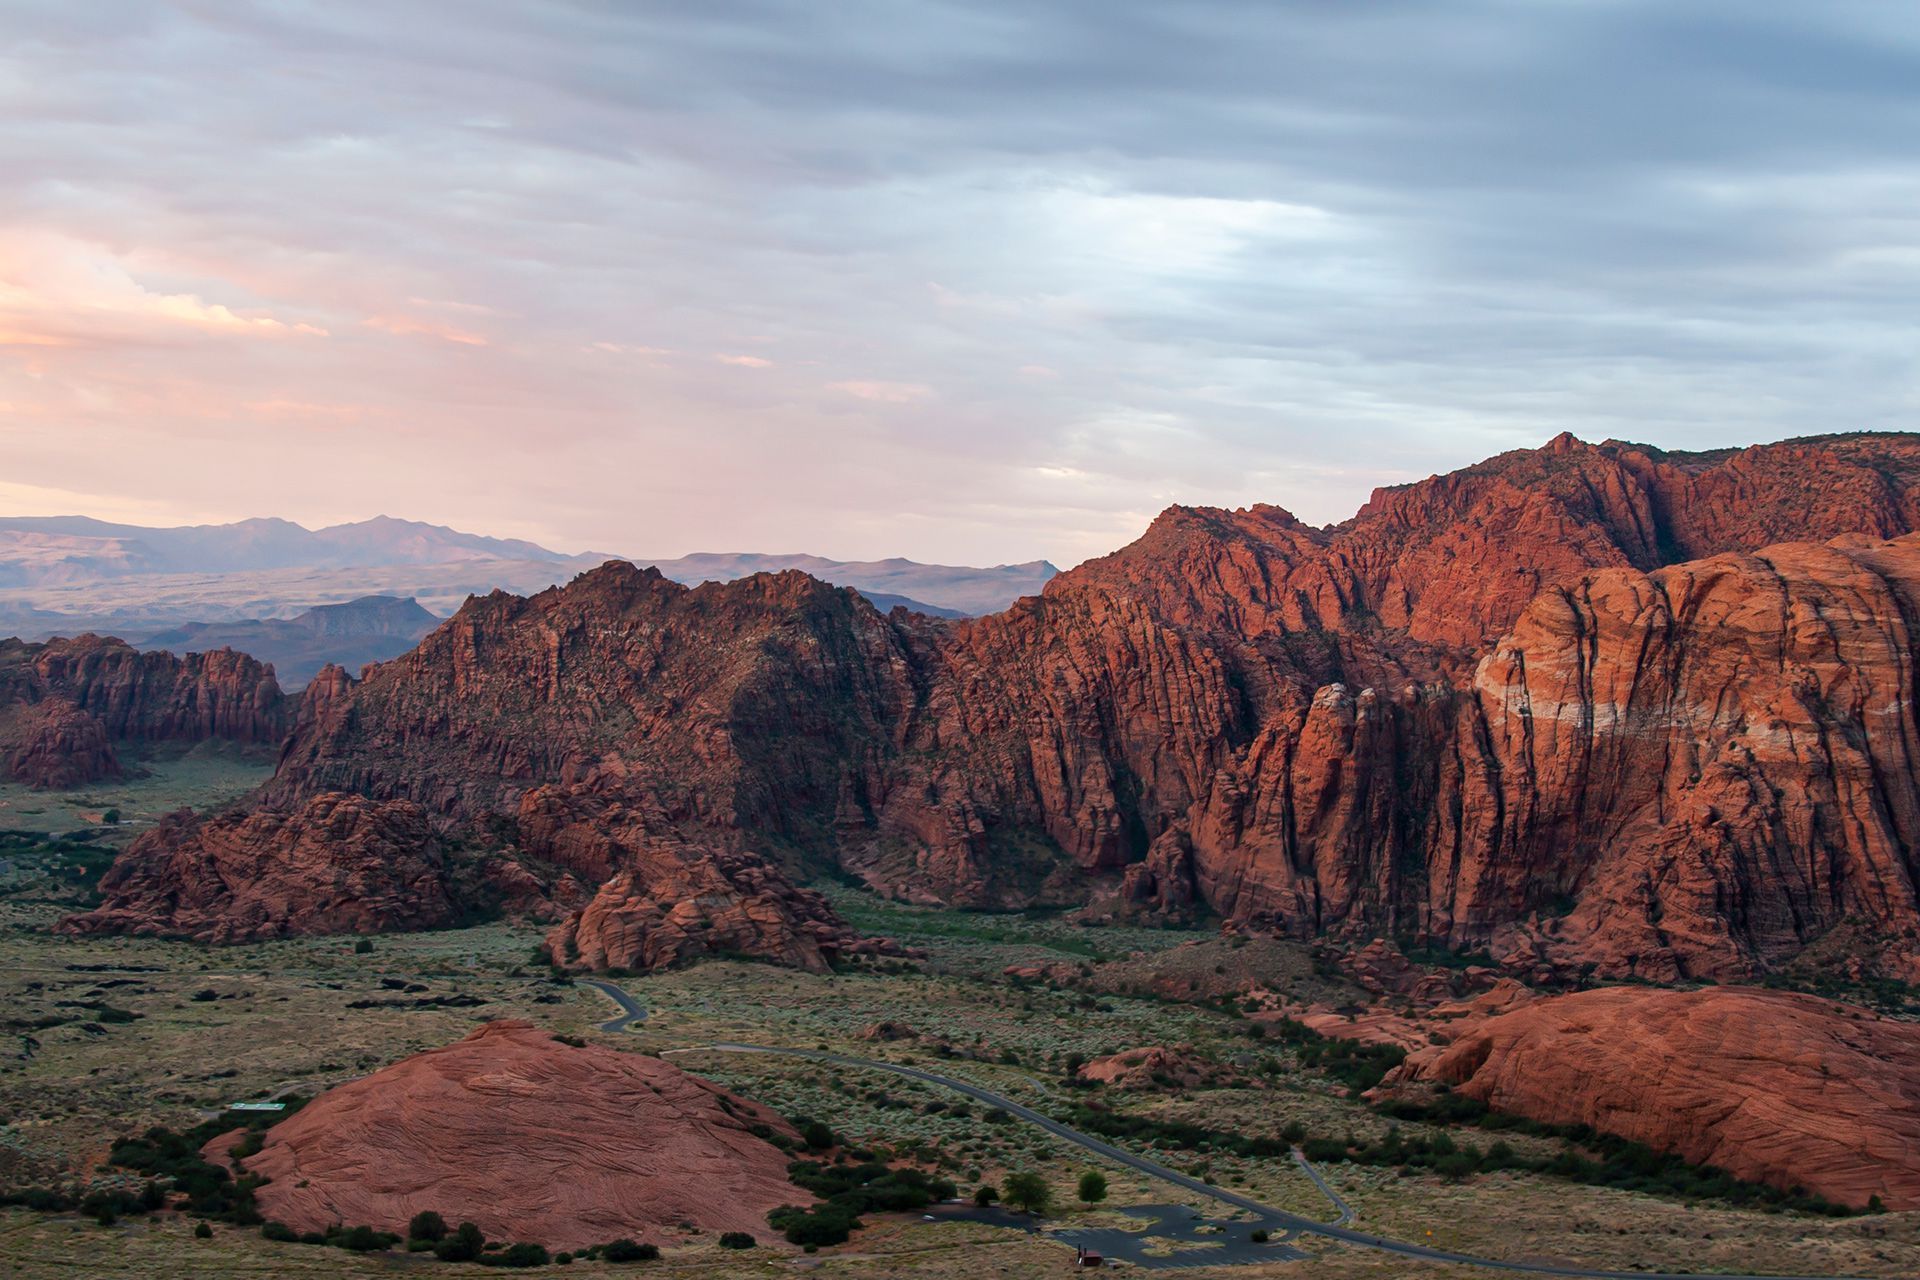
(65, 704)
(1576, 705)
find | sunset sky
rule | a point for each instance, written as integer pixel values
(969, 282)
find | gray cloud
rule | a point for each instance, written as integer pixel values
(964, 281)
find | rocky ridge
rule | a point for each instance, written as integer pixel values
(1575, 706)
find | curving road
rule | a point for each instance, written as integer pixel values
(1340, 1207)
(632, 1012)
(1293, 1222)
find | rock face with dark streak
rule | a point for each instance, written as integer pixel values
(1694, 772)
(529, 1139)
(334, 864)
(1577, 705)
(58, 746)
(1789, 1090)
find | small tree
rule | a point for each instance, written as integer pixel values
(816, 1135)
(986, 1194)
(1093, 1187)
(1029, 1191)
(427, 1225)
(203, 1232)
(464, 1245)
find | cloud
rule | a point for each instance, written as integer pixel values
(1222, 251)
(57, 291)
(884, 392)
(409, 326)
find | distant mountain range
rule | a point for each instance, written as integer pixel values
(257, 584)
(370, 629)
(48, 550)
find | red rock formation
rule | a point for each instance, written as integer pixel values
(1152, 1067)
(149, 697)
(337, 864)
(1498, 709)
(1784, 1089)
(530, 1139)
(60, 746)
(664, 898)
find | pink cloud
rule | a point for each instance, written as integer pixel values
(884, 392)
(59, 291)
(408, 326)
(746, 362)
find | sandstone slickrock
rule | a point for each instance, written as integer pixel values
(1574, 706)
(530, 1139)
(1790, 1090)
(336, 864)
(1151, 1067)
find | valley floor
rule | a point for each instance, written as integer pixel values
(107, 1037)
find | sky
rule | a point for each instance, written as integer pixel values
(966, 282)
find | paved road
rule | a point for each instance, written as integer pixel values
(1340, 1206)
(632, 1012)
(1198, 1241)
(1291, 1221)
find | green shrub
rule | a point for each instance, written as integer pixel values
(520, 1255)
(427, 1225)
(279, 1231)
(986, 1194)
(464, 1245)
(39, 1199)
(628, 1251)
(362, 1239)
(737, 1240)
(828, 1224)
(1093, 1187)
(201, 1231)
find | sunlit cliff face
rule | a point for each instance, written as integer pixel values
(961, 282)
